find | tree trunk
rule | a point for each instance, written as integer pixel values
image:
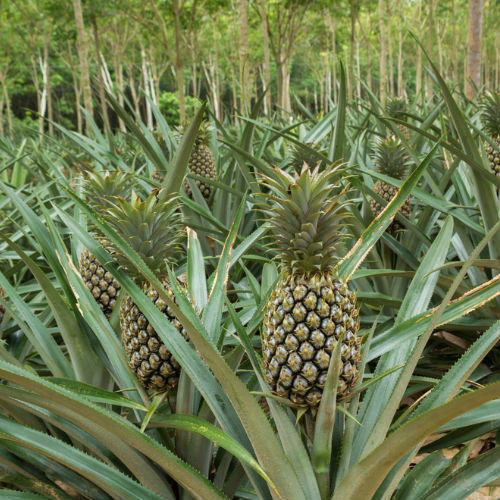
(350, 72)
(454, 36)
(267, 59)
(332, 26)
(83, 54)
(218, 109)
(473, 81)
(244, 55)
(179, 64)
(76, 88)
(147, 88)
(100, 82)
(389, 50)
(50, 110)
(383, 54)
(400, 90)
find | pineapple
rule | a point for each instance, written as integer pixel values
(396, 108)
(152, 228)
(310, 307)
(100, 189)
(201, 162)
(491, 122)
(391, 159)
(313, 155)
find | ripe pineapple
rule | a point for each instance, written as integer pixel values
(100, 190)
(491, 122)
(152, 228)
(396, 108)
(310, 307)
(391, 159)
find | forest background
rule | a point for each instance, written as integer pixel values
(57, 58)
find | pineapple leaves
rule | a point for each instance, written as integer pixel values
(364, 478)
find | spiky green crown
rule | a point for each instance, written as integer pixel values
(201, 136)
(102, 187)
(490, 116)
(306, 217)
(151, 227)
(309, 153)
(396, 108)
(390, 157)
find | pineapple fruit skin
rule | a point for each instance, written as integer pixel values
(493, 155)
(202, 163)
(100, 282)
(303, 320)
(388, 192)
(148, 357)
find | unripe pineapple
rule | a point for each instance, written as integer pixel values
(391, 159)
(152, 229)
(396, 108)
(310, 153)
(311, 307)
(491, 122)
(201, 162)
(101, 188)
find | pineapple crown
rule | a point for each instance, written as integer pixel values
(201, 136)
(309, 153)
(490, 113)
(390, 157)
(102, 187)
(151, 227)
(306, 216)
(396, 108)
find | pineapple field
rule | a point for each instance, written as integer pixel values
(250, 250)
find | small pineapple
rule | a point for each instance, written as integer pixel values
(310, 153)
(391, 159)
(152, 228)
(396, 108)
(201, 162)
(310, 307)
(490, 118)
(100, 189)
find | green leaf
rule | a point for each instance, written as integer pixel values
(108, 478)
(325, 420)
(366, 476)
(177, 171)
(197, 282)
(96, 394)
(460, 484)
(214, 434)
(339, 133)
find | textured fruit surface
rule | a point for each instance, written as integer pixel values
(493, 155)
(153, 364)
(303, 321)
(202, 163)
(100, 282)
(388, 192)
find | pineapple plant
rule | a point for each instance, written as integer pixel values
(100, 189)
(392, 159)
(490, 118)
(396, 108)
(201, 162)
(310, 308)
(152, 228)
(312, 155)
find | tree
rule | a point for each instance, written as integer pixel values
(473, 81)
